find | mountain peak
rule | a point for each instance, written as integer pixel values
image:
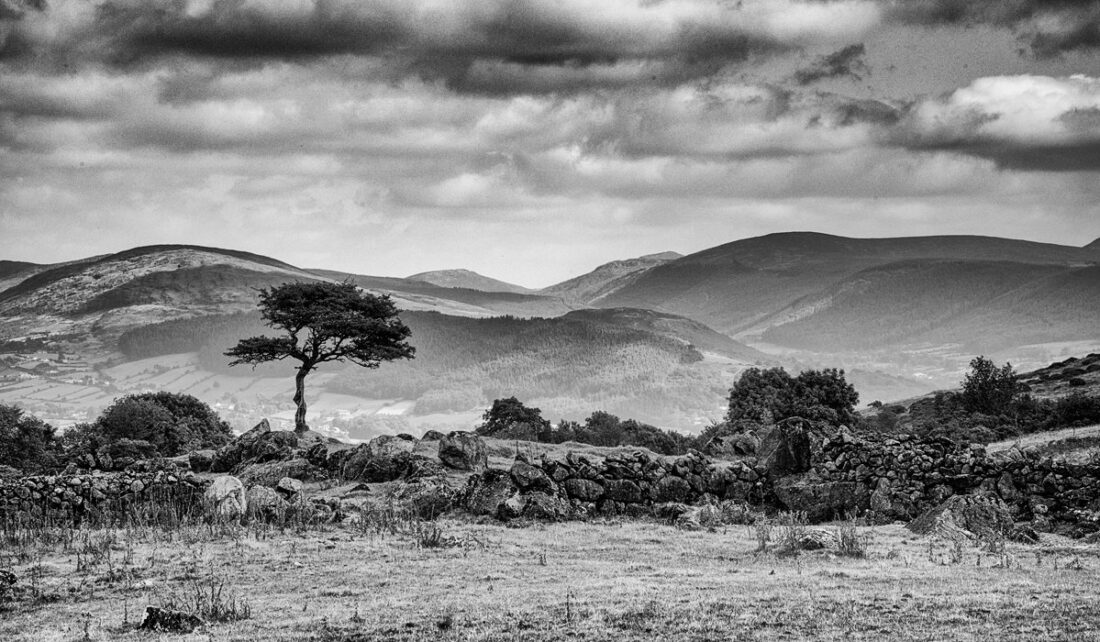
(1095, 245)
(468, 279)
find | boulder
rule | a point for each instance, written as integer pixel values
(288, 487)
(820, 499)
(463, 450)
(272, 446)
(258, 445)
(977, 516)
(391, 446)
(427, 499)
(226, 497)
(545, 507)
(264, 502)
(486, 493)
(158, 619)
(269, 473)
(201, 460)
(584, 490)
(699, 517)
(432, 435)
(532, 478)
(362, 466)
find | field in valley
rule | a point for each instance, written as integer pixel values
(604, 580)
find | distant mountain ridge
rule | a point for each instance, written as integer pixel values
(755, 287)
(588, 288)
(467, 279)
(902, 312)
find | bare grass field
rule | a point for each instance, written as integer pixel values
(608, 580)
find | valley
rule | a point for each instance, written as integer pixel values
(659, 338)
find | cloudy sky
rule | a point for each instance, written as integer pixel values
(532, 140)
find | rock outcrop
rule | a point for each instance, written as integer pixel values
(463, 450)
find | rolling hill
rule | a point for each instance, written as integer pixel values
(468, 280)
(587, 288)
(809, 291)
(903, 315)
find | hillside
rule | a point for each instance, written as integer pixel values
(467, 279)
(734, 287)
(586, 288)
(568, 366)
(69, 288)
(983, 306)
(420, 295)
(682, 329)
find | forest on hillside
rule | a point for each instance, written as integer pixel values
(570, 367)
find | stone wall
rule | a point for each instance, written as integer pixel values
(100, 496)
(799, 468)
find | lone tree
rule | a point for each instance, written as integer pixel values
(988, 389)
(324, 322)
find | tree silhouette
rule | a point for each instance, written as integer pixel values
(324, 322)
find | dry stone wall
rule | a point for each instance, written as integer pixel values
(837, 475)
(99, 495)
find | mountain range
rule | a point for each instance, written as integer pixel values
(904, 315)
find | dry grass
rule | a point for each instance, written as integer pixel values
(574, 581)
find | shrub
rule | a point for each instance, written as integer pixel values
(26, 442)
(146, 425)
(987, 388)
(771, 395)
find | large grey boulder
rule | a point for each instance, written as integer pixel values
(264, 502)
(487, 494)
(391, 446)
(532, 478)
(226, 497)
(976, 516)
(464, 450)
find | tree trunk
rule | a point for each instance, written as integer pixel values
(300, 399)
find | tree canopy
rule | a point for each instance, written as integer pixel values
(762, 397)
(987, 388)
(26, 442)
(323, 322)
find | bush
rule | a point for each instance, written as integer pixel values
(160, 424)
(26, 442)
(987, 388)
(767, 396)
